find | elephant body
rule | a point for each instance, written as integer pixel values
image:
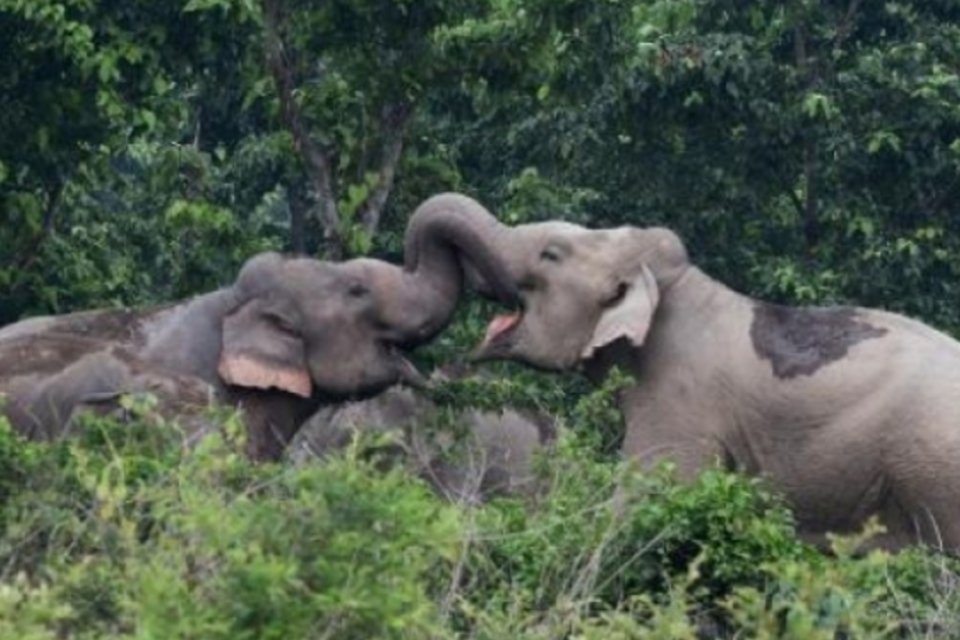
(849, 412)
(287, 336)
(480, 455)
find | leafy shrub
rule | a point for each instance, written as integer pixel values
(121, 533)
(607, 534)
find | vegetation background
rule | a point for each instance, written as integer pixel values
(807, 151)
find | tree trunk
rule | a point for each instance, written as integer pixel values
(315, 159)
(298, 210)
(393, 125)
(22, 262)
(811, 216)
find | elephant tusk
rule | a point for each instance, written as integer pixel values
(410, 376)
(407, 373)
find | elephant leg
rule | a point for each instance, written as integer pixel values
(664, 428)
(932, 518)
(651, 444)
(901, 528)
(922, 503)
(272, 420)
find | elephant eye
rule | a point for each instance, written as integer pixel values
(550, 254)
(617, 297)
(358, 290)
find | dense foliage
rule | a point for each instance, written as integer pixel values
(806, 151)
(122, 534)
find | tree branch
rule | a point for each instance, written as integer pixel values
(393, 123)
(298, 207)
(846, 26)
(811, 222)
(935, 202)
(315, 159)
(27, 257)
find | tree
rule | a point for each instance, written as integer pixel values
(347, 80)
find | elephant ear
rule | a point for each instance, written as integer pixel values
(258, 353)
(629, 318)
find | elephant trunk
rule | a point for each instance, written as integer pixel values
(446, 233)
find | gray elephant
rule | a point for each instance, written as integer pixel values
(849, 412)
(466, 456)
(287, 336)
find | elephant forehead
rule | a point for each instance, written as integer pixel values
(801, 341)
(326, 279)
(600, 247)
(378, 275)
(309, 274)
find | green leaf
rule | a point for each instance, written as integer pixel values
(880, 140)
(149, 119)
(818, 106)
(205, 5)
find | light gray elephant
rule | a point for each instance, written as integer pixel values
(849, 412)
(287, 336)
(467, 456)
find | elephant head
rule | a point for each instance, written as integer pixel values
(289, 333)
(579, 289)
(306, 326)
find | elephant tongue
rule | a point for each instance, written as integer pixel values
(501, 325)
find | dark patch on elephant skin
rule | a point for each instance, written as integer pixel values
(798, 341)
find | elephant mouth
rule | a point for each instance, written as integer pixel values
(499, 330)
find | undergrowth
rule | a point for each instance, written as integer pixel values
(120, 533)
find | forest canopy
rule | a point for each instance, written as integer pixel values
(806, 151)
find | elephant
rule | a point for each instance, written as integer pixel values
(848, 412)
(480, 455)
(290, 334)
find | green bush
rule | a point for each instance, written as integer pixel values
(607, 534)
(117, 534)
(121, 533)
